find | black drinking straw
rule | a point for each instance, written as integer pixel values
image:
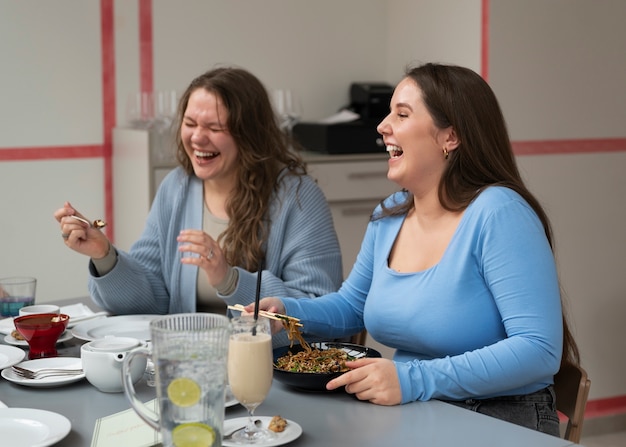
(257, 295)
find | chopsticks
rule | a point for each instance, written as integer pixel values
(270, 315)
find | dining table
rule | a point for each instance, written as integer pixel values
(325, 418)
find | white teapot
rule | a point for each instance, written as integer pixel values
(103, 359)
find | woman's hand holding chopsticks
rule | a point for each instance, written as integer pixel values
(271, 308)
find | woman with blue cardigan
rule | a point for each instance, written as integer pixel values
(240, 199)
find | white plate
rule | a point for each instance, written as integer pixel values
(134, 326)
(9, 356)
(9, 339)
(291, 433)
(33, 428)
(46, 382)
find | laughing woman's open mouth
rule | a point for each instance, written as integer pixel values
(394, 151)
(205, 155)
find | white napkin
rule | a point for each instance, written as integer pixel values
(3, 405)
(78, 311)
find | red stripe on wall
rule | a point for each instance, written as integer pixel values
(484, 40)
(146, 70)
(108, 107)
(50, 153)
(569, 146)
(519, 147)
(605, 407)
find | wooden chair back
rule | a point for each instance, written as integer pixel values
(359, 339)
(571, 386)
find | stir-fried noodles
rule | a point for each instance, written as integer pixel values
(311, 360)
(291, 326)
(315, 361)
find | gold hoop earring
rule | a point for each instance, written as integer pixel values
(446, 154)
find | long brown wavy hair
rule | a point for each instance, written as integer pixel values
(458, 97)
(264, 151)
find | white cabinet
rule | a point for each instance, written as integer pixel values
(141, 158)
(353, 185)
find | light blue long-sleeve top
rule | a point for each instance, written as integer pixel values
(303, 258)
(485, 321)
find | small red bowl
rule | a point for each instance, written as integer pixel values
(41, 331)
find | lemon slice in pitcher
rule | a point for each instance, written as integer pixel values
(193, 434)
(184, 392)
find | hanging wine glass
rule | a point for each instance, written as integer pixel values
(140, 110)
(288, 108)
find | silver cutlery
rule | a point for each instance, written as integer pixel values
(98, 223)
(228, 436)
(44, 372)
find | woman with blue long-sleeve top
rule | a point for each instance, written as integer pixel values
(456, 272)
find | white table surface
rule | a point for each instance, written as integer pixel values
(327, 419)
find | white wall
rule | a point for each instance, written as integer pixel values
(51, 86)
(31, 243)
(50, 95)
(557, 67)
(584, 195)
(315, 48)
(446, 31)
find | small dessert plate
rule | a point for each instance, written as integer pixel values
(50, 381)
(291, 433)
(10, 340)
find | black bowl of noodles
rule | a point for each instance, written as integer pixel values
(294, 367)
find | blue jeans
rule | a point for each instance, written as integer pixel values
(536, 410)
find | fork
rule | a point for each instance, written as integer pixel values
(44, 372)
(229, 436)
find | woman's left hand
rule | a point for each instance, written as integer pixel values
(210, 257)
(372, 379)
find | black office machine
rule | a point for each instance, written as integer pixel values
(371, 102)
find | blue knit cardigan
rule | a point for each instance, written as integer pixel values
(303, 257)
